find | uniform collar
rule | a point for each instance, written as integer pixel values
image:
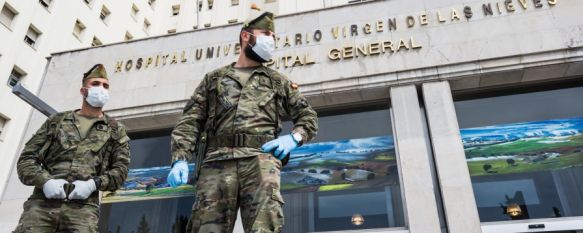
(69, 115)
(260, 69)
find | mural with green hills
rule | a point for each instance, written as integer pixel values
(524, 147)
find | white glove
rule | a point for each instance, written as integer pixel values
(54, 189)
(82, 189)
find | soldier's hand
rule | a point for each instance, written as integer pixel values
(179, 174)
(280, 147)
(54, 189)
(82, 190)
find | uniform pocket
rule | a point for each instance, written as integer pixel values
(276, 219)
(64, 139)
(265, 98)
(276, 196)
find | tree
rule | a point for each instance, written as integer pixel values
(143, 226)
(180, 224)
(511, 162)
(487, 167)
(149, 187)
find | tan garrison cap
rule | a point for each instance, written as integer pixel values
(97, 71)
(260, 19)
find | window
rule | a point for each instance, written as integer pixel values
(206, 25)
(234, 2)
(96, 42)
(89, 3)
(45, 3)
(171, 31)
(32, 36)
(147, 25)
(525, 152)
(79, 30)
(210, 4)
(348, 173)
(8, 15)
(151, 3)
(158, 215)
(104, 15)
(231, 21)
(199, 5)
(128, 36)
(269, 1)
(15, 76)
(3, 121)
(135, 11)
(175, 10)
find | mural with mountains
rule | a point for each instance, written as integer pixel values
(324, 166)
(149, 183)
(342, 164)
(524, 147)
(371, 162)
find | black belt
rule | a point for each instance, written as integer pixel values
(239, 140)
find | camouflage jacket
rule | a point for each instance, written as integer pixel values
(56, 151)
(225, 106)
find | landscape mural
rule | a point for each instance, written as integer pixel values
(324, 166)
(149, 183)
(524, 147)
(371, 162)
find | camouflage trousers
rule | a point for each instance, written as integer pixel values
(52, 216)
(251, 184)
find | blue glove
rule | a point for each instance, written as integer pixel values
(280, 147)
(179, 174)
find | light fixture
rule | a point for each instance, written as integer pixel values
(357, 219)
(33, 100)
(513, 210)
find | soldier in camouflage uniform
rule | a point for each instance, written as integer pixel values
(237, 109)
(71, 157)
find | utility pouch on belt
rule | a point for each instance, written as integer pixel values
(200, 153)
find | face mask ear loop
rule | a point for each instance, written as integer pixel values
(248, 32)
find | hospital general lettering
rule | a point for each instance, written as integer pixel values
(288, 42)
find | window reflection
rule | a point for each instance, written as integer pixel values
(345, 179)
(525, 153)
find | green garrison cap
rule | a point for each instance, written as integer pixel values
(260, 19)
(97, 71)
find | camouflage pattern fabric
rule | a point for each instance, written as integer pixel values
(56, 151)
(50, 216)
(222, 104)
(253, 182)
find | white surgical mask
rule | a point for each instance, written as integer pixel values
(264, 46)
(97, 96)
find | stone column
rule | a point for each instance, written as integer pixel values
(413, 158)
(459, 204)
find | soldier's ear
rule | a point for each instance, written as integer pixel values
(83, 91)
(245, 36)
